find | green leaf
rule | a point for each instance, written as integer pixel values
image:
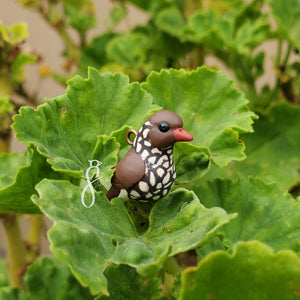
(9, 165)
(125, 283)
(80, 21)
(80, 14)
(18, 73)
(171, 21)
(201, 97)
(205, 27)
(94, 54)
(287, 15)
(252, 272)
(9, 293)
(272, 150)
(233, 32)
(5, 105)
(89, 239)
(162, 44)
(116, 14)
(66, 128)
(49, 279)
(265, 212)
(127, 50)
(15, 34)
(192, 162)
(18, 176)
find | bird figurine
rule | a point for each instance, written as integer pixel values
(147, 172)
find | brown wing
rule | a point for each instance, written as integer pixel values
(129, 171)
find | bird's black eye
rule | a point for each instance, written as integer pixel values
(164, 126)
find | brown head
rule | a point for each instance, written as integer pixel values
(167, 129)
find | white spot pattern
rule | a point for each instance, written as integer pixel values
(143, 186)
(166, 179)
(160, 172)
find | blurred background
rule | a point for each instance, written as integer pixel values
(46, 43)
(45, 78)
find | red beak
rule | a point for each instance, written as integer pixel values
(181, 135)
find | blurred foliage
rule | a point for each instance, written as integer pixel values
(121, 257)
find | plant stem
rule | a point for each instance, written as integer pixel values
(191, 6)
(287, 56)
(34, 237)
(16, 250)
(279, 53)
(4, 146)
(72, 50)
(197, 55)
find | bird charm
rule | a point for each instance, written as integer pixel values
(147, 172)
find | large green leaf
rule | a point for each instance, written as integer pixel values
(65, 129)
(192, 162)
(252, 272)
(287, 15)
(89, 239)
(210, 106)
(272, 150)
(49, 279)
(265, 212)
(19, 173)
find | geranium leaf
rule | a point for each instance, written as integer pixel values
(80, 14)
(133, 286)
(272, 150)
(49, 279)
(253, 271)
(19, 173)
(287, 15)
(200, 97)
(192, 162)
(89, 239)
(9, 165)
(15, 34)
(9, 293)
(265, 212)
(65, 128)
(127, 50)
(94, 54)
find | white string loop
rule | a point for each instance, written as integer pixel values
(94, 164)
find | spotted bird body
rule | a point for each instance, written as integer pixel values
(147, 172)
(159, 168)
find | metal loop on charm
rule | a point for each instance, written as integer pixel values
(128, 134)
